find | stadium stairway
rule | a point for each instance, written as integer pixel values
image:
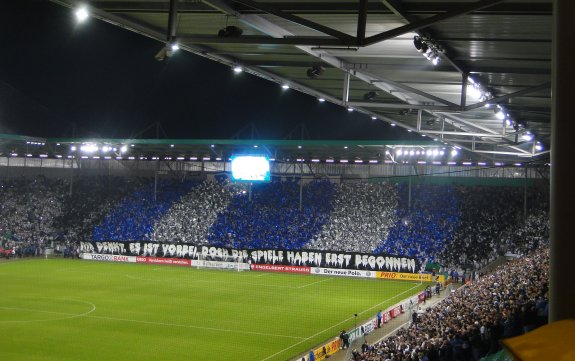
(386, 330)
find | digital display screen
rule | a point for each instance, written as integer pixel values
(250, 168)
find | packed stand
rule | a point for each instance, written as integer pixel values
(488, 223)
(189, 220)
(273, 219)
(133, 218)
(91, 200)
(362, 216)
(28, 210)
(469, 323)
(424, 227)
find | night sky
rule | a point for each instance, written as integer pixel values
(59, 79)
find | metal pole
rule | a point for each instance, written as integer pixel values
(525, 195)
(561, 290)
(300, 185)
(71, 177)
(155, 185)
(409, 192)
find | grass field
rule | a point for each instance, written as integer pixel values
(59, 309)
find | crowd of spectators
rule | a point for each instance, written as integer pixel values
(457, 226)
(29, 207)
(469, 323)
(190, 219)
(270, 217)
(134, 217)
(424, 223)
(490, 221)
(362, 216)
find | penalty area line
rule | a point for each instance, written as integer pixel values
(337, 324)
(315, 283)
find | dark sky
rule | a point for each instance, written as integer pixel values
(105, 80)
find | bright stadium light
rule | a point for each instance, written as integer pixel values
(123, 149)
(454, 152)
(81, 14)
(285, 86)
(321, 100)
(106, 148)
(398, 152)
(527, 137)
(238, 69)
(89, 148)
(73, 148)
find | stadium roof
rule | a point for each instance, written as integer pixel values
(216, 149)
(489, 93)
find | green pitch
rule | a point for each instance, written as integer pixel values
(81, 310)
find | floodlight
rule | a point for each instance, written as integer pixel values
(81, 14)
(373, 118)
(73, 148)
(238, 69)
(392, 124)
(398, 152)
(369, 95)
(435, 152)
(161, 55)
(420, 44)
(124, 149)
(411, 152)
(350, 109)
(435, 60)
(321, 100)
(175, 47)
(454, 152)
(500, 115)
(441, 152)
(315, 71)
(89, 148)
(473, 92)
(230, 32)
(539, 147)
(285, 86)
(527, 137)
(106, 148)
(429, 152)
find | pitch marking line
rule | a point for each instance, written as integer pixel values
(70, 315)
(315, 283)
(87, 315)
(195, 327)
(337, 324)
(212, 281)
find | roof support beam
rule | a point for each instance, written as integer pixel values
(429, 21)
(412, 90)
(222, 6)
(296, 19)
(172, 23)
(464, 77)
(403, 106)
(265, 40)
(345, 94)
(509, 96)
(467, 134)
(361, 21)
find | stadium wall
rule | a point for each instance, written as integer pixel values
(396, 173)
